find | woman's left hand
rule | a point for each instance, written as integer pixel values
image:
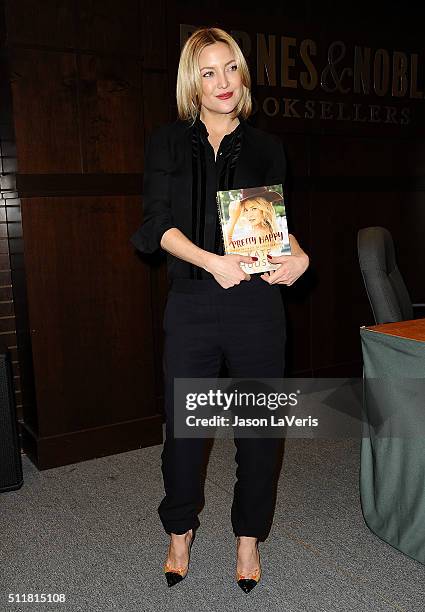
(291, 266)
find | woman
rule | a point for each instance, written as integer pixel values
(212, 302)
(261, 216)
(257, 209)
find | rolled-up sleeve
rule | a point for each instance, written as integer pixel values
(157, 216)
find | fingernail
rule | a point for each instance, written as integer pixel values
(254, 258)
(269, 256)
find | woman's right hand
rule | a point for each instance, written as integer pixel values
(226, 268)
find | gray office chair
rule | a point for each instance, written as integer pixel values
(388, 295)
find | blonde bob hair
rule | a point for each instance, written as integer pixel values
(269, 215)
(189, 80)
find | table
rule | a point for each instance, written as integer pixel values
(392, 466)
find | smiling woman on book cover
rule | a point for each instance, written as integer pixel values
(258, 210)
(253, 223)
(215, 310)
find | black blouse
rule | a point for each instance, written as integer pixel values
(182, 177)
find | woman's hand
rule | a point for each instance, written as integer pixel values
(291, 266)
(226, 268)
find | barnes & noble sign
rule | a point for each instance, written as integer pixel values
(293, 78)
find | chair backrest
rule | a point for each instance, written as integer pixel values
(385, 287)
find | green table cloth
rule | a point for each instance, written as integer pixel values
(392, 466)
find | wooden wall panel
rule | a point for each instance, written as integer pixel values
(44, 87)
(156, 100)
(111, 109)
(339, 301)
(154, 41)
(409, 242)
(50, 23)
(79, 126)
(106, 26)
(92, 344)
(371, 156)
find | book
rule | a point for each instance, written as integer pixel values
(253, 222)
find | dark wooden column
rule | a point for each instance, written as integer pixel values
(77, 71)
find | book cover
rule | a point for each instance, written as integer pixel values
(253, 222)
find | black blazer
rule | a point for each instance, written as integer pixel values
(181, 178)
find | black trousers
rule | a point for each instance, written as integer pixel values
(204, 324)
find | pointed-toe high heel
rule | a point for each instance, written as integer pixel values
(248, 581)
(177, 574)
